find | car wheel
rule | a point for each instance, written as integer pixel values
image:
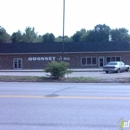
(127, 69)
(118, 71)
(107, 71)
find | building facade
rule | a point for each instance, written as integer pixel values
(78, 55)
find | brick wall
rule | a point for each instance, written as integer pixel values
(39, 61)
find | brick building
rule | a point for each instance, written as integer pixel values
(79, 55)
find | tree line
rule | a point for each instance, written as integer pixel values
(100, 33)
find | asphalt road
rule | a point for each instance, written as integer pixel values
(63, 106)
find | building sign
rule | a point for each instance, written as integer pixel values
(46, 58)
(65, 58)
(41, 58)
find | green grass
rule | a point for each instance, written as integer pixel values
(18, 78)
(84, 79)
(45, 79)
(61, 80)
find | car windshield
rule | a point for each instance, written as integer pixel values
(112, 63)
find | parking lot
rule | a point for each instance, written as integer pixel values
(97, 74)
(101, 75)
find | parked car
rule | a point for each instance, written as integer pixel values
(115, 66)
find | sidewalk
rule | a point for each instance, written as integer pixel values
(41, 70)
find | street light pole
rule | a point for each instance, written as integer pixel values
(63, 29)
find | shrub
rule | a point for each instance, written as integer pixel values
(57, 69)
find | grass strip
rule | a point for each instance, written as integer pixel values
(62, 80)
(84, 79)
(46, 79)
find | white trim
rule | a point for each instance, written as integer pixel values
(81, 61)
(96, 61)
(91, 61)
(111, 57)
(17, 63)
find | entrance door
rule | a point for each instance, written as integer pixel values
(100, 61)
(17, 63)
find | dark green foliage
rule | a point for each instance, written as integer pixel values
(100, 33)
(4, 36)
(78, 36)
(48, 38)
(29, 36)
(66, 39)
(120, 34)
(17, 37)
(57, 69)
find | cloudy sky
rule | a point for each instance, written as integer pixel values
(46, 16)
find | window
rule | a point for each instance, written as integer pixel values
(94, 61)
(17, 63)
(83, 61)
(113, 58)
(88, 60)
(108, 59)
(118, 59)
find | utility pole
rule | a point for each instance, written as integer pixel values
(63, 29)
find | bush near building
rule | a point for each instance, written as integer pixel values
(57, 69)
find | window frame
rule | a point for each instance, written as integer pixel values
(91, 64)
(82, 61)
(112, 57)
(19, 65)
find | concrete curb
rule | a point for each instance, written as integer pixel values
(40, 70)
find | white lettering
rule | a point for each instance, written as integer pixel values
(46, 58)
(127, 124)
(30, 58)
(38, 58)
(65, 58)
(34, 58)
(41, 58)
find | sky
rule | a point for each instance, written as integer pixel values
(46, 16)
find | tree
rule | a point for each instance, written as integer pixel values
(39, 39)
(120, 34)
(66, 39)
(30, 36)
(77, 36)
(84, 36)
(51, 38)
(48, 38)
(100, 33)
(17, 37)
(4, 36)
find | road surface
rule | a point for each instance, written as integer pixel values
(63, 106)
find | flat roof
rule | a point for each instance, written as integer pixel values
(68, 47)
